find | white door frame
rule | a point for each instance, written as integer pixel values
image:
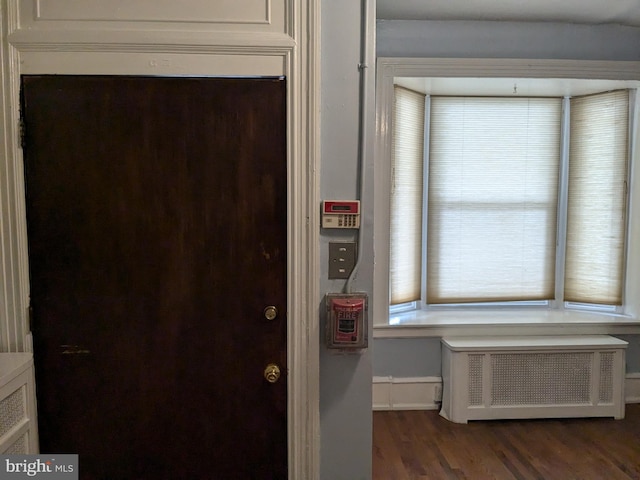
(77, 47)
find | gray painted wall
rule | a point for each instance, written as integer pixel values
(407, 357)
(410, 38)
(633, 352)
(345, 380)
(420, 357)
(454, 39)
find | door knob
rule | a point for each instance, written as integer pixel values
(270, 312)
(272, 373)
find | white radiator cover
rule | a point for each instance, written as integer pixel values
(18, 423)
(532, 377)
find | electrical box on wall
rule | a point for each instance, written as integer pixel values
(342, 259)
(341, 214)
(346, 321)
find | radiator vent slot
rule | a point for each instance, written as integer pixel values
(541, 378)
(12, 410)
(475, 379)
(606, 377)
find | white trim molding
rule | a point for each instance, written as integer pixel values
(425, 393)
(389, 67)
(501, 323)
(408, 393)
(145, 45)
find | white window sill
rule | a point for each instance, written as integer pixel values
(506, 322)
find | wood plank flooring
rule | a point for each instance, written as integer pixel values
(422, 445)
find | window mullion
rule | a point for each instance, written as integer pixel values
(425, 199)
(563, 194)
(631, 160)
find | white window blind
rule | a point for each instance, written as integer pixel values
(493, 181)
(596, 222)
(406, 196)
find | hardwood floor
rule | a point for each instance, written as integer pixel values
(422, 445)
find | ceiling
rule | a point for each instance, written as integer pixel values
(624, 12)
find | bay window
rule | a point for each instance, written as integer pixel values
(507, 199)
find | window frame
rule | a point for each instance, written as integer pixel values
(387, 70)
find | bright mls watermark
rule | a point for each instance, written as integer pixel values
(51, 467)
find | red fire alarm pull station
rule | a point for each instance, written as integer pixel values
(347, 320)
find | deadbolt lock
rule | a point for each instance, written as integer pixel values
(270, 312)
(272, 373)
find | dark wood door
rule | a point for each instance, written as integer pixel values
(156, 217)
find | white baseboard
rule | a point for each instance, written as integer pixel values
(411, 393)
(425, 393)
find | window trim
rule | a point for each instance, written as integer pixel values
(388, 68)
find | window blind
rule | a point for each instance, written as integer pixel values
(492, 199)
(405, 249)
(596, 221)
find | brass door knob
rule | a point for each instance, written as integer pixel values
(270, 312)
(272, 373)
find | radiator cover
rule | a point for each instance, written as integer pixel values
(18, 423)
(532, 377)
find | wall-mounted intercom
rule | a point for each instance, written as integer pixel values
(341, 214)
(347, 320)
